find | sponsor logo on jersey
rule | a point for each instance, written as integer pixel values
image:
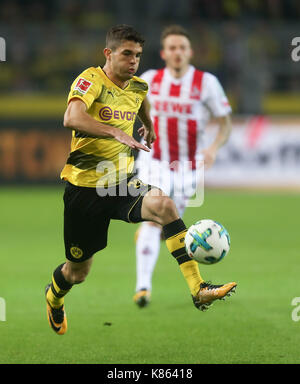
(106, 113)
(171, 107)
(83, 85)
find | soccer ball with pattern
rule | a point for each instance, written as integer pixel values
(207, 242)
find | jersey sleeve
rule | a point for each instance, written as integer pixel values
(86, 87)
(214, 97)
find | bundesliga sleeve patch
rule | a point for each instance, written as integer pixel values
(82, 85)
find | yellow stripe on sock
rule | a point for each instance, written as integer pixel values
(176, 242)
(189, 269)
(57, 289)
(55, 302)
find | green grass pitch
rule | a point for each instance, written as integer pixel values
(253, 326)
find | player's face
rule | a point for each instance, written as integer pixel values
(125, 59)
(176, 52)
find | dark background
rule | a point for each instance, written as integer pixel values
(246, 43)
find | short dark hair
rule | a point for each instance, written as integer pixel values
(121, 32)
(174, 30)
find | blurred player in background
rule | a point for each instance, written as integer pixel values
(182, 100)
(102, 106)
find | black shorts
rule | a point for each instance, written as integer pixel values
(88, 212)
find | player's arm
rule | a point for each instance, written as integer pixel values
(216, 101)
(78, 119)
(147, 130)
(224, 130)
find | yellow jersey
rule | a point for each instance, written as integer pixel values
(103, 161)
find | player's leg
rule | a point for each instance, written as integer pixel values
(55, 292)
(85, 233)
(147, 251)
(63, 279)
(76, 273)
(161, 209)
(148, 235)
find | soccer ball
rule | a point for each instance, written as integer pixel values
(207, 242)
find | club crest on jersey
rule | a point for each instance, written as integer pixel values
(155, 87)
(83, 85)
(195, 93)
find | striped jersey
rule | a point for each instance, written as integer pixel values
(180, 109)
(103, 161)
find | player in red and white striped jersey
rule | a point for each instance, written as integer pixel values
(183, 99)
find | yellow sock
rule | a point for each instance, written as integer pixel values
(58, 289)
(175, 234)
(54, 301)
(191, 273)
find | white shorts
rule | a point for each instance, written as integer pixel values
(180, 184)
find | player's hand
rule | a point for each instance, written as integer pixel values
(123, 138)
(209, 157)
(148, 134)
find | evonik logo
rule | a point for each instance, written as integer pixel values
(106, 113)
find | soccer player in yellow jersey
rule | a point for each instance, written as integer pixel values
(100, 182)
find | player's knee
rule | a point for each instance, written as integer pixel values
(79, 277)
(160, 209)
(76, 275)
(166, 207)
